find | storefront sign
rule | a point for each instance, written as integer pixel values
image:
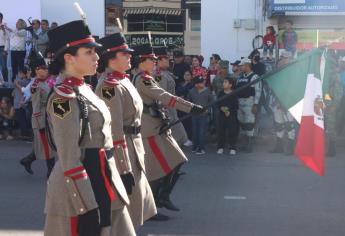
(151, 25)
(306, 7)
(157, 40)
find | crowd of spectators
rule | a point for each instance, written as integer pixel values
(18, 45)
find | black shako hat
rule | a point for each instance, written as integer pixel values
(114, 43)
(37, 61)
(145, 51)
(71, 34)
(161, 52)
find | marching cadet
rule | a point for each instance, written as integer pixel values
(166, 81)
(39, 94)
(126, 108)
(332, 100)
(85, 194)
(248, 101)
(283, 123)
(283, 120)
(163, 155)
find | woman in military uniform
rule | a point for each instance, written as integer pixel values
(85, 194)
(163, 156)
(166, 80)
(39, 95)
(126, 107)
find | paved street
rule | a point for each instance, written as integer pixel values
(251, 195)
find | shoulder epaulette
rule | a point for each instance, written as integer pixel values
(110, 80)
(65, 91)
(146, 77)
(35, 83)
(34, 86)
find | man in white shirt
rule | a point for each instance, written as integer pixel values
(3, 48)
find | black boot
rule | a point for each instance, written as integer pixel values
(159, 217)
(331, 150)
(167, 187)
(278, 148)
(27, 161)
(50, 165)
(290, 147)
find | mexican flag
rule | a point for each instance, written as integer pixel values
(298, 87)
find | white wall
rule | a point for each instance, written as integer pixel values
(15, 9)
(63, 11)
(217, 32)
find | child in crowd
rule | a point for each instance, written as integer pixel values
(269, 42)
(6, 118)
(227, 120)
(22, 116)
(182, 90)
(200, 95)
(290, 38)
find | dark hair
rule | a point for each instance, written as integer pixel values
(216, 56)
(104, 60)
(36, 20)
(7, 100)
(189, 71)
(230, 80)
(135, 60)
(1, 15)
(46, 21)
(273, 31)
(58, 63)
(199, 59)
(25, 69)
(254, 53)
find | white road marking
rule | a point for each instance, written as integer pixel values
(235, 198)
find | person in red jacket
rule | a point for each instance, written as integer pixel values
(269, 41)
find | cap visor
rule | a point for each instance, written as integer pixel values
(129, 50)
(91, 45)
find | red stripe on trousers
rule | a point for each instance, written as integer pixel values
(44, 140)
(105, 178)
(74, 226)
(159, 155)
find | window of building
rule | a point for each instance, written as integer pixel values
(159, 23)
(113, 2)
(195, 16)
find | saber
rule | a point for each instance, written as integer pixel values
(80, 11)
(150, 37)
(119, 24)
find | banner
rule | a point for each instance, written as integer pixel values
(306, 7)
(157, 40)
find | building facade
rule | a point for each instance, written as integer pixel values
(317, 22)
(166, 20)
(228, 27)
